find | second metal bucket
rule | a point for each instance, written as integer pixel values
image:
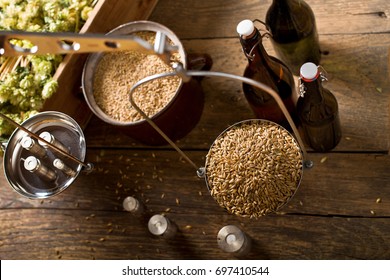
(33, 169)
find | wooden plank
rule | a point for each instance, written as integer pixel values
(354, 66)
(335, 186)
(335, 213)
(219, 18)
(109, 14)
(66, 234)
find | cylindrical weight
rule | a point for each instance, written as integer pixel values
(233, 240)
(161, 226)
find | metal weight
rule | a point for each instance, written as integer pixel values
(233, 240)
(159, 225)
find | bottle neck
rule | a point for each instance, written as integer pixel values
(313, 89)
(290, 20)
(253, 46)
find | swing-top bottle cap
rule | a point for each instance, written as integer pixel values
(309, 71)
(245, 27)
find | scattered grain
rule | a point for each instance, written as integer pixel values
(378, 200)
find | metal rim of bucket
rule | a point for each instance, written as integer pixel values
(240, 123)
(93, 59)
(13, 152)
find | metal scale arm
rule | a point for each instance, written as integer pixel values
(65, 43)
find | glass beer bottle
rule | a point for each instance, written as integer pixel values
(269, 71)
(317, 111)
(294, 33)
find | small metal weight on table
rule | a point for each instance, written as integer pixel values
(133, 205)
(161, 226)
(233, 240)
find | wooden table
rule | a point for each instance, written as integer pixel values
(341, 210)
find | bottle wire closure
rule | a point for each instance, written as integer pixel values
(267, 33)
(321, 74)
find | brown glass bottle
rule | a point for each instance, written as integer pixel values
(317, 111)
(294, 33)
(269, 71)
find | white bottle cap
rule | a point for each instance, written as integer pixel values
(245, 27)
(309, 71)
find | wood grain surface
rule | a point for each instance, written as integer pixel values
(340, 211)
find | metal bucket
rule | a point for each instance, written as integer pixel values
(31, 172)
(179, 116)
(254, 173)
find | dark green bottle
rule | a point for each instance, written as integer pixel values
(317, 110)
(294, 33)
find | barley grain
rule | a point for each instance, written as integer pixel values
(117, 72)
(253, 168)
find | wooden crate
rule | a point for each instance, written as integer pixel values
(106, 15)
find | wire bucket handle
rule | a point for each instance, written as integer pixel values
(186, 75)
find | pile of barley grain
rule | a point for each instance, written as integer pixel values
(254, 168)
(117, 72)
